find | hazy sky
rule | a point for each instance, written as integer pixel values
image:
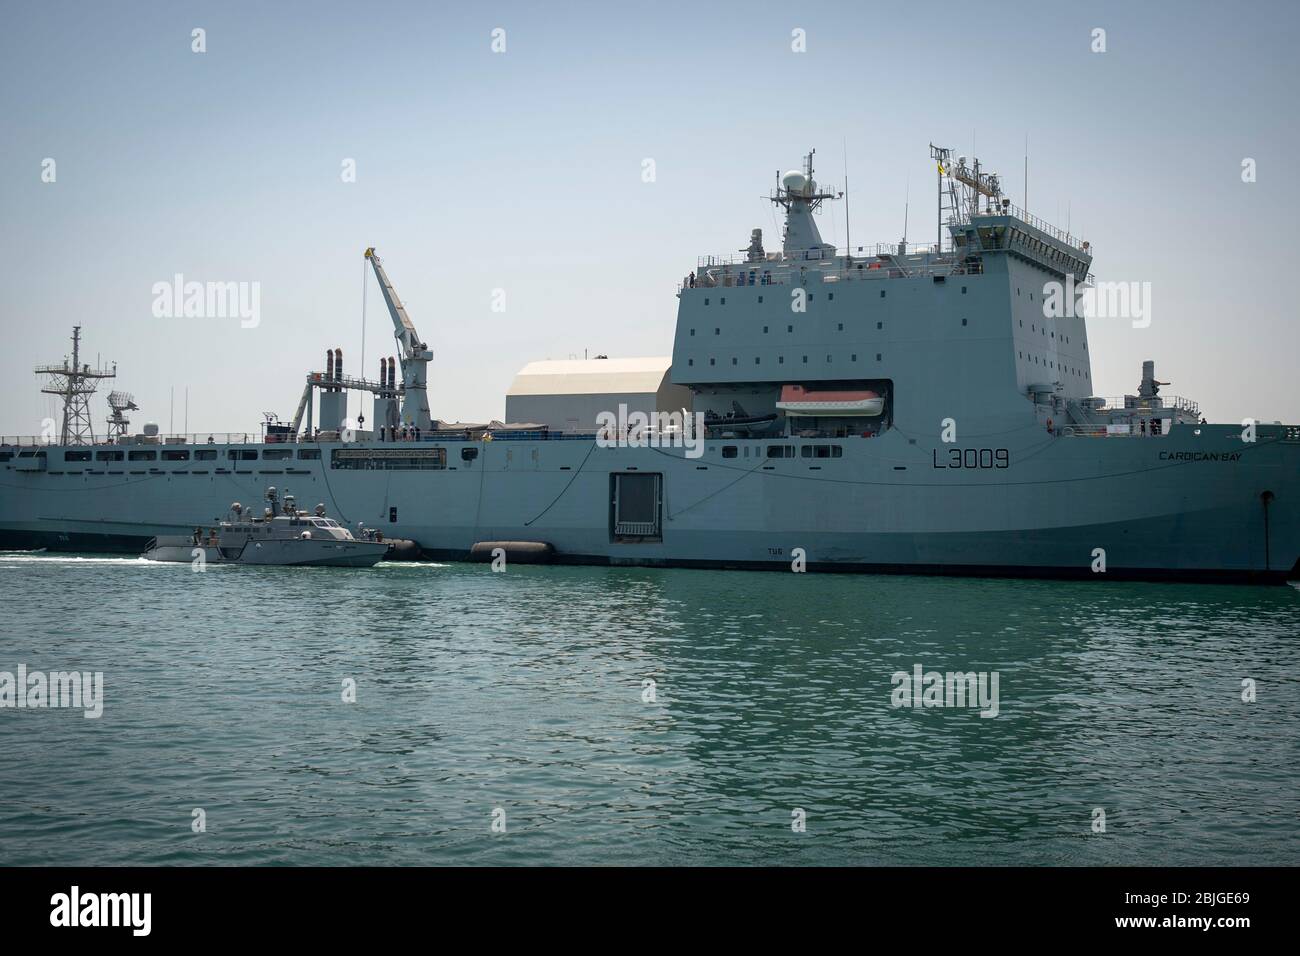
(522, 171)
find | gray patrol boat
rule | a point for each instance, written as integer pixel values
(891, 408)
(282, 536)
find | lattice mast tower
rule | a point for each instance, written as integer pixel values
(75, 382)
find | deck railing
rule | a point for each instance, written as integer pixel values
(203, 438)
(253, 438)
(1139, 404)
(1104, 431)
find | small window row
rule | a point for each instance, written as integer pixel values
(780, 359)
(787, 451)
(198, 454)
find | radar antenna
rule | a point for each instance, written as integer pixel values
(118, 423)
(75, 382)
(798, 194)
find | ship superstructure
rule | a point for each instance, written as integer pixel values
(886, 408)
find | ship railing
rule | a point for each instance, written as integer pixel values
(201, 438)
(253, 438)
(1119, 403)
(861, 266)
(1042, 225)
(1106, 431)
(839, 256)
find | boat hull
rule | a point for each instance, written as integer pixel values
(299, 553)
(1185, 505)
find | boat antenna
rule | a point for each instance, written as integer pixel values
(907, 203)
(1026, 172)
(848, 246)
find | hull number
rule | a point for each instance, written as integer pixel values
(973, 458)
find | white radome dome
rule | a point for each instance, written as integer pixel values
(794, 181)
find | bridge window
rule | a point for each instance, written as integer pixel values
(175, 455)
(143, 456)
(205, 454)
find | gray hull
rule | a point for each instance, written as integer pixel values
(1187, 504)
(311, 553)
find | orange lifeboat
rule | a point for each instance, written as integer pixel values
(797, 400)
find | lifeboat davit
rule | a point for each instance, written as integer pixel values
(797, 400)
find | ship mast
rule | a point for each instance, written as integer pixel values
(798, 195)
(75, 382)
(961, 204)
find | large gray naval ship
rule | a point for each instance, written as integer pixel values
(885, 409)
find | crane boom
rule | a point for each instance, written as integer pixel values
(415, 354)
(404, 328)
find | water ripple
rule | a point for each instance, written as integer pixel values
(525, 691)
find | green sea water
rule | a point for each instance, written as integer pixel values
(520, 702)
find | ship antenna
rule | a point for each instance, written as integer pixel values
(907, 202)
(1026, 206)
(848, 245)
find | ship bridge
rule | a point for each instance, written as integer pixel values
(928, 327)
